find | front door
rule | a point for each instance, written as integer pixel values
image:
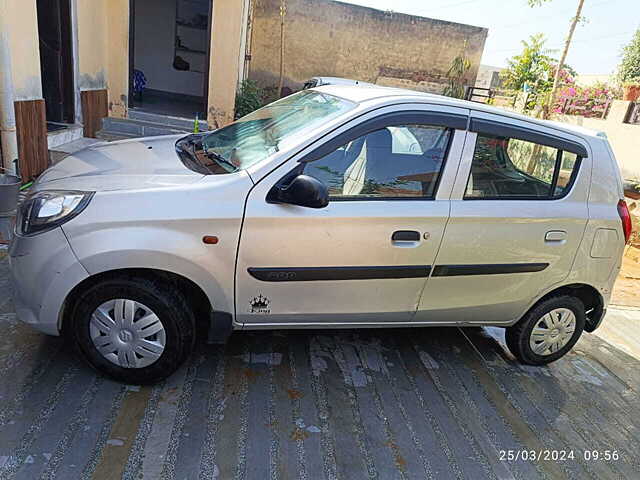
(518, 213)
(366, 257)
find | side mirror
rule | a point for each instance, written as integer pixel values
(303, 190)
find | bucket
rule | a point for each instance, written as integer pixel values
(9, 188)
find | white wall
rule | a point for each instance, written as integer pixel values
(486, 75)
(154, 49)
(623, 137)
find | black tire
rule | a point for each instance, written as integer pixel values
(518, 335)
(166, 301)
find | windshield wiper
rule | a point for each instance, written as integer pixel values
(192, 152)
(216, 157)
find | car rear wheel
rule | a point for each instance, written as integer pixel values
(133, 329)
(548, 331)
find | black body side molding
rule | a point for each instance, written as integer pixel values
(491, 269)
(308, 274)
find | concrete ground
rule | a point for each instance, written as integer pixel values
(414, 403)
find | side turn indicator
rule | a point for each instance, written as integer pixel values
(210, 239)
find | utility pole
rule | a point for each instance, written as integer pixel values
(563, 58)
(283, 12)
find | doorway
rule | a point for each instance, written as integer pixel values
(169, 56)
(56, 62)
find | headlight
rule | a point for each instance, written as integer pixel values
(49, 209)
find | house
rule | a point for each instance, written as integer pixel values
(67, 64)
(68, 68)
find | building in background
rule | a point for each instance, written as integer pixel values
(488, 77)
(335, 39)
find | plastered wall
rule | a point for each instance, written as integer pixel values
(226, 56)
(103, 38)
(328, 38)
(623, 137)
(22, 19)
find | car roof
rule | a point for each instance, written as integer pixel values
(366, 93)
(341, 81)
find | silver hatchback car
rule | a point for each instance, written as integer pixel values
(334, 207)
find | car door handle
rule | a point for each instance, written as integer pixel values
(405, 236)
(555, 236)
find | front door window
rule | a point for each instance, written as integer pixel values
(393, 162)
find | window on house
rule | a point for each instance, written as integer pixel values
(393, 162)
(513, 168)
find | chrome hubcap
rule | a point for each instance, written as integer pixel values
(553, 331)
(127, 333)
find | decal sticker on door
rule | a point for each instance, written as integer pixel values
(259, 304)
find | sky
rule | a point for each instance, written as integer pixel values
(596, 45)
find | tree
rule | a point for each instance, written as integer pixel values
(532, 67)
(458, 69)
(565, 51)
(535, 69)
(629, 69)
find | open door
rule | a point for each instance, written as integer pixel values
(169, 42)
(56, 60)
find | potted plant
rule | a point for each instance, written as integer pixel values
(631, 90)
(629, 69)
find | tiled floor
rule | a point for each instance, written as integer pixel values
(416, 403)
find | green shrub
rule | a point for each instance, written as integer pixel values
(250, 97)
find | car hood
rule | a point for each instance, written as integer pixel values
(139, 163)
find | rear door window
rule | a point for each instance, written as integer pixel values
(511, 168)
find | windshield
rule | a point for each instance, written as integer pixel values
(262, 133)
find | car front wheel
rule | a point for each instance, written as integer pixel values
(548, 331)
(133, 329)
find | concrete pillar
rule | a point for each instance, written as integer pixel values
(19, 69)
(226, 44)
(92, 44)
(21, 16)
(8, 140)
(618, 111)
(118, 56)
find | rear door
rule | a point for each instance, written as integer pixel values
(518, 214)
(366, 257)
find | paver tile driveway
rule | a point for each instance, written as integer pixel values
(404, 403)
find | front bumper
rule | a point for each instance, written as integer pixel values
(44, 270)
